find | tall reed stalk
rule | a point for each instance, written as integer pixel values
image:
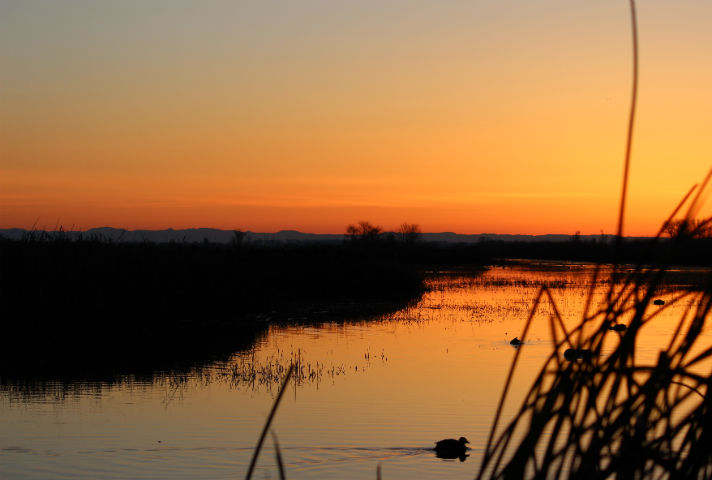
(600, 416)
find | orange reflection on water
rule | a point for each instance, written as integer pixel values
(437, 369)
(373, 391)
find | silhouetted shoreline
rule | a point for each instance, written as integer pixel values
(91, 306)
(215, 235)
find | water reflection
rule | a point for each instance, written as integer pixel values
(382, 390)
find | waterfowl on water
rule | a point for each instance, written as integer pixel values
(516, 342)
(658, 302)
(578, 353)
(619, 327)
(451, 448)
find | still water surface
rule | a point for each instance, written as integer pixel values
(378, 391)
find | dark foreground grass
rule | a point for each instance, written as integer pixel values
(608, 416)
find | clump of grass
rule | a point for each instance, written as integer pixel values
(594, 416)
(612, 415)
(268, 372)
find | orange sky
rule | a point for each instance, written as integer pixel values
(495, 116)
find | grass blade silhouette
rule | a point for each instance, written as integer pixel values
(631, 122)
(269, 422)
(278, 456)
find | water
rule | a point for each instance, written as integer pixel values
(368, 393)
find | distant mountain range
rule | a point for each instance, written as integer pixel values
(213, 235)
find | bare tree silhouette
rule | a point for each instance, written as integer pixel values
(363, 231)
(409, 232)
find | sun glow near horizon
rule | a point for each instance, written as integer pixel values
(501, 117)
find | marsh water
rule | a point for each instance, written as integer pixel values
(378, 391)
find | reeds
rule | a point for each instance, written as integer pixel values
(267, 372)
(610, 415)
(599, 416)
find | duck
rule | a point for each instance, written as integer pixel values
(619, 327)
(516, 342)
(658, 302)
(578, 353)
(451, 448)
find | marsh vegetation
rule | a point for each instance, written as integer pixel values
(136, 306)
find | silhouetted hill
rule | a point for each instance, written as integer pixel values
(213, 235)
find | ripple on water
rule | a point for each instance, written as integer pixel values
(361, 462)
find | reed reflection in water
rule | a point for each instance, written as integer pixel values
(370, 392)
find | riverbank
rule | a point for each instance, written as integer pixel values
(89, 306)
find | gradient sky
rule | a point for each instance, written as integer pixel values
(504, 116)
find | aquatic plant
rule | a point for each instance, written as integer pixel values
(268, 372)
(597, 415)
(593, 416)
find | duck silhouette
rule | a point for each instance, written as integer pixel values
(659, 302)
(451, 448)
(516, 342)
(619, 327)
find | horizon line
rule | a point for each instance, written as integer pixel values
(288, 230)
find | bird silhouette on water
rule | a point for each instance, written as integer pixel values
(451, 448)
(516, 342)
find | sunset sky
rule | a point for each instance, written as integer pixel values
(502, 116)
